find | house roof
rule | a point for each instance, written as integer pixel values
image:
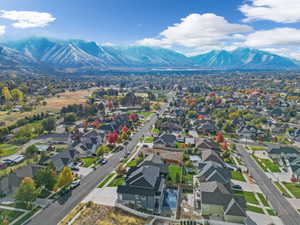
(284, 150)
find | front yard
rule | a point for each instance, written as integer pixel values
(118, 180)
(87, 162)
(249, 196)
(8, 149)
(237, 176)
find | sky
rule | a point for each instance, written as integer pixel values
(188, 26)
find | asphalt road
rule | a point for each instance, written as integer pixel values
(284, 209)
(56, 211)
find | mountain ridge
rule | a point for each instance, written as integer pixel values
(64, 55)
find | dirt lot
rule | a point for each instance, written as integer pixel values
(54, 104)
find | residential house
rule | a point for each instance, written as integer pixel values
(64, 158)
(143, 189)
(165, 140)
(10, 182)
(278, 152)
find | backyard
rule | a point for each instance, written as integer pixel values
(174, 173)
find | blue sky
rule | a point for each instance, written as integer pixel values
(191, 26)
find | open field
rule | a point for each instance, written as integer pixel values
(54, 104)
(7, 149)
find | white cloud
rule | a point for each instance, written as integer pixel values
(27, 19)
(282, 11)
(197, 30)
(2, 29)
(287, 52)
(276, 37)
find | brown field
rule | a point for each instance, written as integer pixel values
(54, 104)
(101, 215)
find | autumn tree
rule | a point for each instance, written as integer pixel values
(219, 138)
(6, 94)
(17, 95)
(27, 192)
(112, 137)
(65, 178)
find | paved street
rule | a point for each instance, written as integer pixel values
(60, 208)
(285, 211)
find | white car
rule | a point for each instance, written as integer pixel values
(75, 184)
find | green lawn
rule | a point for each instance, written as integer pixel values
(9, 214)
(237, 176)
(263, 199)
(27, 216)
(278, 185)
(88, 161)
(249, 196)
(271, 165)
(174, 173)
(155, 131)
(145, 114)
(271, 212)
(119, 180)
(257, 148)
(293, 188)
(255, 209)
(103, 182)
(134, 162)
(149, 139)
(188, 179)
(8, 149)
(266, 164)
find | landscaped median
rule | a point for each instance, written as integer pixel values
(105, 180)
(282, 190)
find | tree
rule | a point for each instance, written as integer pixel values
(31, 150)
(17, 95)
(101, 150)
(27, 192)
(70, 117)
(112, 137)
(65, 178)
(6, 94)
(49, 124)
(46, 177)
(219, 138)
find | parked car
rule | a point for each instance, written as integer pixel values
(74, 167)
(103, 162)
(75, 184)
(236, 187)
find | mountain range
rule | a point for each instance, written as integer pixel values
(50, 55)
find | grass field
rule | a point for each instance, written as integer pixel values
(54, 104)
(263, 199)
(119, 180)
(293, 188)
(173, 170)
(103, 182)
(249, 196)
(278, 185)
(149, 139)
(9, 214)
(237, 176)
(255, 209)
(87, 162)
(7, 149)
(257, 148)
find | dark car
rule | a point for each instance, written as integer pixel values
(103, 162)
(236, 187)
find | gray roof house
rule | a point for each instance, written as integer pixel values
(216, 200)
(64, 158)
(9, 183)
(278, 152)
(165, 140)
(143, 189)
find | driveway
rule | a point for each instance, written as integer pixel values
(103, 196)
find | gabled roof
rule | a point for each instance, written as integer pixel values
(145, 176)
(234, 209)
